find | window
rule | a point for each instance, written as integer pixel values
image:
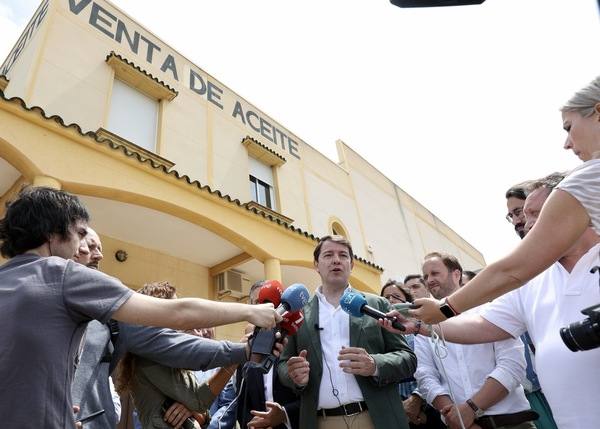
(261, 184)
(260, 192)
(133, 115)
(337, 228)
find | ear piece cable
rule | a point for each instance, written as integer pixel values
(441, 351)
(335, 392)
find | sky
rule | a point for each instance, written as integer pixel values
(454, 105)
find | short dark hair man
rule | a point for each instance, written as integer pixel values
(515, 200)
(553, 299)
(345, 368)
(416, 285)
(485, 379)
(47, 300)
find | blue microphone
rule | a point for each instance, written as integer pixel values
(356, 305)
(293, 298)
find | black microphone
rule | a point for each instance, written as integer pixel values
(318, 328)
(356, 305)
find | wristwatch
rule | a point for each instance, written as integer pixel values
(447, 309)
(478, 411)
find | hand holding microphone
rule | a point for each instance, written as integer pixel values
(400, 314)
(263, 315)
(292, 300)
(269, 296)
(356, 305)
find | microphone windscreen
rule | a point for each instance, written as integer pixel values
(295, 297)
(292, 320)
(271, 292)
(352, 303)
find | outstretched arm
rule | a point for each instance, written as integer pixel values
(190, 313)
(464, 329)
(562, 221)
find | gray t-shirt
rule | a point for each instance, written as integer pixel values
(45, 304)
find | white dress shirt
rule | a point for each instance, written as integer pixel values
(554, 299)
(334, 324)
(468, 367)
(268, 382)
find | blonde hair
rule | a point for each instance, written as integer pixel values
(584, 100)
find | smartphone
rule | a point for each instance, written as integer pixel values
(90, 417)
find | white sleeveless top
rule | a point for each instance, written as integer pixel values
(584, 184)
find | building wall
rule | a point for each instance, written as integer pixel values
(146, 265)
(63, 70)
(399, 230)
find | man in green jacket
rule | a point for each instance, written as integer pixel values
(346, 369)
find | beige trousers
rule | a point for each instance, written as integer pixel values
(359, 421)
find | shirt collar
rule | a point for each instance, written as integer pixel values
(321, 297)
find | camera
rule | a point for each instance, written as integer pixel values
(584, 334)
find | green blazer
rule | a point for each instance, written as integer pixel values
(153, 383)
(394, 359)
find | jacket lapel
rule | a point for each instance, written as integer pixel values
(311, 319)
(356, 324)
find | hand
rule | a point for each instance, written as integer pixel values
(176, 415)
(412, 326)
(450, 414)
(428, 311)
(356, 360)
(201, 418)
(298, 369)
(274, 416)
(412, 408)
(279, 346)
(78, 425)
(263, 315)
(246, 340)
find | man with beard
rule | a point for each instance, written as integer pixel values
(92, 387)
(515, 200)
(485, 378)
(552, 300)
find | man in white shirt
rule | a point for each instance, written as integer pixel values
(554, 299)
(485, 379)
(346, 368)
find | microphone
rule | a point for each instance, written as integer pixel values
(293, 298)
(356, 305)
(292, 320)
(271, 292)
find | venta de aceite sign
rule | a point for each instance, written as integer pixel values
(153, 52)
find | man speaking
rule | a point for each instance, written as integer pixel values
(345, 368)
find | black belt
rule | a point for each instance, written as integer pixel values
(349, 410)
(499, 420)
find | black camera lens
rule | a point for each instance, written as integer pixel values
(582, 335)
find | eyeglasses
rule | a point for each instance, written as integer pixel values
(395, 296)
(518, 212)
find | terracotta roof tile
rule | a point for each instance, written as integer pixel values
(129, 153)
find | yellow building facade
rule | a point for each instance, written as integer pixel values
(185, 180)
